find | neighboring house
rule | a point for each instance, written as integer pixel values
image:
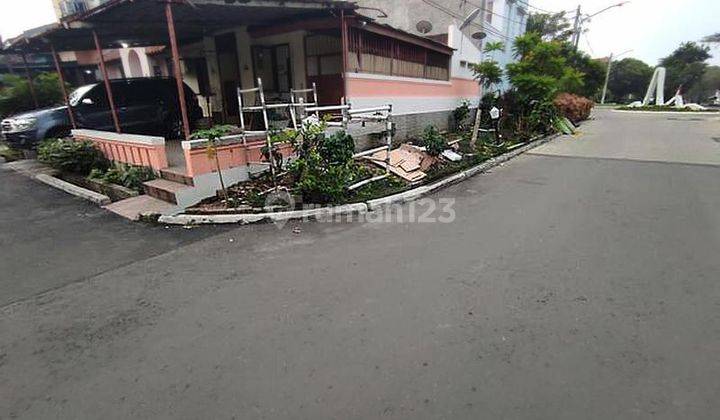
(502, 20)
(124, 62)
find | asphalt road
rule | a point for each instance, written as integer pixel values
(580, 281)
(49, 239)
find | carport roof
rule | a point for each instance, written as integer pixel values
(142, 22)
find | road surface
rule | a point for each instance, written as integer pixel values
(578, 281)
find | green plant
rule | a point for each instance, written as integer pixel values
(542, 70)
(433, 141)
(461, 114)
(15, 95)
(213, 136)
(339, 148)
(324, 165)
(129, 176)
(69, 155)
(487, 73)
(542, 118)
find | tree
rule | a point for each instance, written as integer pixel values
(706, 87)
(550, 27)
(488, 72)
(542, 70)
(685, 67)
(714, 38)
(15, 94)
(593, 70)
(629, 79)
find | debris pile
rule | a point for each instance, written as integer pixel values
(408, 162)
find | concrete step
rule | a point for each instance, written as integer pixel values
(133, 208)
(164, 190)
(176, 174)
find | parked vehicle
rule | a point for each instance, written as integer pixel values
(144, 106)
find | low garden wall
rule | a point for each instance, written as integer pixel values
(132, 149)
(231, 153)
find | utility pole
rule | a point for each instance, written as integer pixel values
(577, 27)
(607, 79)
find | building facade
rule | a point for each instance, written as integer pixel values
(501, 21)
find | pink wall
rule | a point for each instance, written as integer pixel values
(231, 156)
(149, 155)
(375, 87)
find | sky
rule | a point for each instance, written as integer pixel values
(651, 28)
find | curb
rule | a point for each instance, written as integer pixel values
(358, 208)
(246, 219)
(92, 196)
(689, 113)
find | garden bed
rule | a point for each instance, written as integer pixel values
(114, 191)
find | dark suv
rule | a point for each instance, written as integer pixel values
(144, 106)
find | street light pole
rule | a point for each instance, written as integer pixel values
(607, 74)
(579, 20)
(576, 27)
(607, 79)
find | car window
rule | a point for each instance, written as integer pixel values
(137, 93)
(78, 94)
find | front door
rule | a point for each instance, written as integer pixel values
(324, 67)
(229, 66)
(272, 65)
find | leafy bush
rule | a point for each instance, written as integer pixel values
(575, 108)
(541, 119)
(338, 148)
(324, 166)
(128, 176)
(461, 114)
(68, 155)
(433, 141)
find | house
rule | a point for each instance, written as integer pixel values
(219, 46)
(499, 21)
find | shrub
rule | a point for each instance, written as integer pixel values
(68, 155)
(461, 114)
(541, 119)
(128, 176)
(338, 148)
(575, 108)
(433, 141)
(324, 166)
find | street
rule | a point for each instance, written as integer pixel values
(577, 281)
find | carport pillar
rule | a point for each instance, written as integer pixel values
(345, 52)
(106, 79)
(177, 70)
(31, 83)
(63, 88)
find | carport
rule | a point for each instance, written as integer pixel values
(143, 23)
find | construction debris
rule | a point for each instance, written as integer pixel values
(408, 162)
(451, 155)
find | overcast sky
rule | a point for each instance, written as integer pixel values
(652, 28)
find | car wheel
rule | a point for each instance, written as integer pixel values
(58, 133)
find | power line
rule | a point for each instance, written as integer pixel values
(485, 28)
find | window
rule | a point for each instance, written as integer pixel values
(374, 53)
(489, 11)
(324, 55)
